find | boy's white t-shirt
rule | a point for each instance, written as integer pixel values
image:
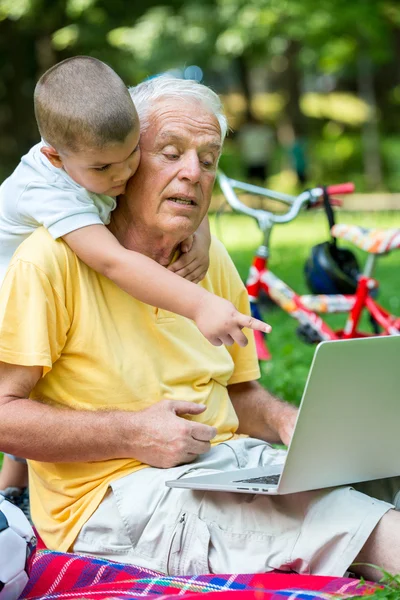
(39, 194)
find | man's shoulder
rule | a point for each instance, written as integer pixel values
(43, 252)
(222, 274)
(220, 257)
(218, 250)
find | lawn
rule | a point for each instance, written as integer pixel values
(286, 373)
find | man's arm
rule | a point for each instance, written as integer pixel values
(260, 414)
(157, 436)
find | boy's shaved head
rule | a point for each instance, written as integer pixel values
(82, 103)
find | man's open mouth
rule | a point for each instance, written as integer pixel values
(184, 201)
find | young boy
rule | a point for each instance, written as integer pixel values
(68, 183)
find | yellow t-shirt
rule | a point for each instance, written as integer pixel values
(100, 348)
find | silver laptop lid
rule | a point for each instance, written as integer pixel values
(348, 426)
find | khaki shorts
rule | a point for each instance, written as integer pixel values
(184, 532)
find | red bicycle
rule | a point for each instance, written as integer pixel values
(307, 308)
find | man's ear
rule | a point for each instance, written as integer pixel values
(52, 155)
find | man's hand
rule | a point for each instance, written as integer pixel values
(194, 261)
(164, 439)
(286, 423)
(221, 323)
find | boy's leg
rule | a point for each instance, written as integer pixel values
(14, 482)
(14, 473)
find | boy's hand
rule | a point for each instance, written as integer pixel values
(221, 323)
(194, 261)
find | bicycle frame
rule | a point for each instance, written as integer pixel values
(306, 308)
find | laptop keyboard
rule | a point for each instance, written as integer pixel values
(268, 479)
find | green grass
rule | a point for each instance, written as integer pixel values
(286, 373)
(390, 589)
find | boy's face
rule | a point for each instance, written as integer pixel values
(102, 171)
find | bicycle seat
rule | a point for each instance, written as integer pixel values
(375, 241)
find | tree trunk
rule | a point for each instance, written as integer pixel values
(244, 78)
(292, 87)
(370, 130)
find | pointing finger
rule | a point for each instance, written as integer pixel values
(252, 323)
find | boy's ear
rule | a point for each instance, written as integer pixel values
(52, 155)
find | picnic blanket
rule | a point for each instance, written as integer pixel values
(59, 576)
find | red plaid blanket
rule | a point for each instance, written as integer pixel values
(58, 576)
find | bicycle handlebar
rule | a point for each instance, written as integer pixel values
(265, 218)
(341, 188)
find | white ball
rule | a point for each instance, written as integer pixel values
(16, 543)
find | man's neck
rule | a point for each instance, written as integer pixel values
(137, 237)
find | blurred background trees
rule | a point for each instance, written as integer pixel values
(323, 74)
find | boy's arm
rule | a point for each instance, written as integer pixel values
(144, 279)
(194, 261)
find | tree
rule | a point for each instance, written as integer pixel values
(34, 35)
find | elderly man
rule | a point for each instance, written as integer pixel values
(108, 397)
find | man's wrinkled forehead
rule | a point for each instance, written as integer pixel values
(175, 119)
(169, 136)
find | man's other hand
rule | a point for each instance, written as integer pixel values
(287, 424)
(194, 260)
(164, 439)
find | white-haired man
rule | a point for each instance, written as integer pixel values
(119, 397)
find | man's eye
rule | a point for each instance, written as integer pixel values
(171, 156)
(103, 168)
(208, 163)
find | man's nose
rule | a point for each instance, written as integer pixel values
(190, 167)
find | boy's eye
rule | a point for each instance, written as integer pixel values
(103, 168)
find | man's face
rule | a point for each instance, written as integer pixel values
(172, 188)
(105, 170)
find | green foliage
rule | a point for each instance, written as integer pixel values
(330, 31)
(390, 586)
(292, 42)
(335, 156)
(390, 149)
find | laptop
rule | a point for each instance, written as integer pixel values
(347, 428)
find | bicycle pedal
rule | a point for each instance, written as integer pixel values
(308, 335)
